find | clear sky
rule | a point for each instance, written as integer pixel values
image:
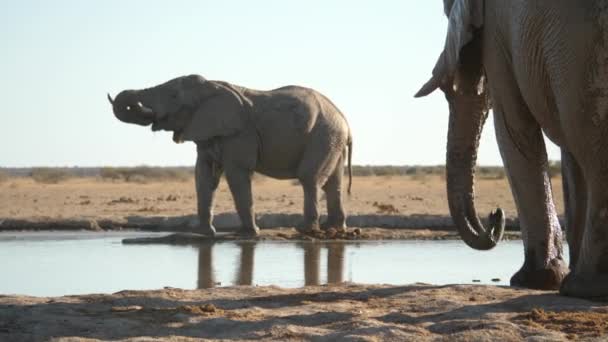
(59, 58)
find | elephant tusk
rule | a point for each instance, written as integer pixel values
(110, 99)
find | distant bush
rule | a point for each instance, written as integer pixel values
(491, 172)
(4, 176)
(555, 168)
(143, 174)
(49, 175)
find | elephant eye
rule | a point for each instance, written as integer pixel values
(128, 108)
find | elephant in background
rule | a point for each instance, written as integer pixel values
(286, 133)
(542, 67)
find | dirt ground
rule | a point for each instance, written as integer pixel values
(385, 202)
(353, 312)
(347, 312)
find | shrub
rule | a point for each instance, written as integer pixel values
(4, 176)
(49, 175)
(491, 172)
(555, 168)
(142, 174)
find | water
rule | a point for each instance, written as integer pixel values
(53, 264)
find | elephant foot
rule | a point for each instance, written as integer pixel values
(549, 278)
(308, 229)
(590, 286)
(249, 231)
(339, 226)
(208, 231)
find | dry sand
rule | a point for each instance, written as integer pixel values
(90, 198)
(339, 312)
(385, 202)
(320, 313)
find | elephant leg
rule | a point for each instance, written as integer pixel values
(575, 204)
(336, 217)
(239, 181)
(318, 164)
(589, 278)
(525, 159)
(207, 181)
(311, 207)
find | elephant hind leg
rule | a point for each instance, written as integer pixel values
(589, 279)
(575, 203)
(315, 169)
(336, 217)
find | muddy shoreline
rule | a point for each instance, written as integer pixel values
(273, 227)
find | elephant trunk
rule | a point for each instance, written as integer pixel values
(128, 107)
(468, 113)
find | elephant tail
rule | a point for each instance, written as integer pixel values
(350, 165)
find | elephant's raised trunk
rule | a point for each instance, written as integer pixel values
(127, 107)
(468, 113)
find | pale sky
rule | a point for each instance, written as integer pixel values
(60, 58)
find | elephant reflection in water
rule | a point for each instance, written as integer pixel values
(244, 275)
(312, 259)
(206, 276)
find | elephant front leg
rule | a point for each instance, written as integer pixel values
(311, 208)
(239, 181)
(523, 151)
(207, 179)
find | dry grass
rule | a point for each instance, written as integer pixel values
(47, 175)
(572, 323)
(4, 176)
(145, 174)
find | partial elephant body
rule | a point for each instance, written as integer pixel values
(542, 66)
(286, 133)
(289, 121)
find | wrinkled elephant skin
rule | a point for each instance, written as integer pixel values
(541, 66)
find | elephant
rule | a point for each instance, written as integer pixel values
(291, 132)
(542, 67)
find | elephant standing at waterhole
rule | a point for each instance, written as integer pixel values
(542, 66)
(286, 133)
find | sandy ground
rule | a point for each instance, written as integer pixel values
(321, 313)
(90, 198)
(352, 312)
(385, 202)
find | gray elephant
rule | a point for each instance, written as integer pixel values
(286, 133)
(542, 66)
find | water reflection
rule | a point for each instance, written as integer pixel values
(244, 271)
(312, 263)
(206, 277)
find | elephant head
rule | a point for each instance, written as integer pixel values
(459, 74)
(194, 108)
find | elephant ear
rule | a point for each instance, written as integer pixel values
(465, 16)
(221, 113)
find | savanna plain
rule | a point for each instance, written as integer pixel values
(410, 205)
